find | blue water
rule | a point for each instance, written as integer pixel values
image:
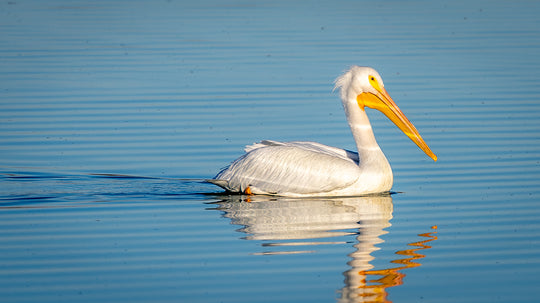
(113, 113)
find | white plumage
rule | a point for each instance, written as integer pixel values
(314, 169)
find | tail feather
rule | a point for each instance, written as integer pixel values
(221, 183)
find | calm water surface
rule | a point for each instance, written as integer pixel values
(112, 114)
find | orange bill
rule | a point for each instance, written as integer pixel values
(381, 101)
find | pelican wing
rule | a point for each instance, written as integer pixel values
(308, 145)
(272, 167)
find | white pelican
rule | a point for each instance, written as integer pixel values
(312, 169)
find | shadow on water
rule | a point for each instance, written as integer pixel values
(287, 225)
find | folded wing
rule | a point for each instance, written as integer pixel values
(272, 167)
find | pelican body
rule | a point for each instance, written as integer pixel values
(300, 169)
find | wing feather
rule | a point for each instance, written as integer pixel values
(314, 146)
(296, 167)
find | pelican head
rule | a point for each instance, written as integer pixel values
(364, 86)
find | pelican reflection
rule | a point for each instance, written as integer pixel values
(292, 226)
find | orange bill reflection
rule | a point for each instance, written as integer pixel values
(370, 285)
(302, 226)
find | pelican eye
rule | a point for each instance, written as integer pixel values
(374, 82)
